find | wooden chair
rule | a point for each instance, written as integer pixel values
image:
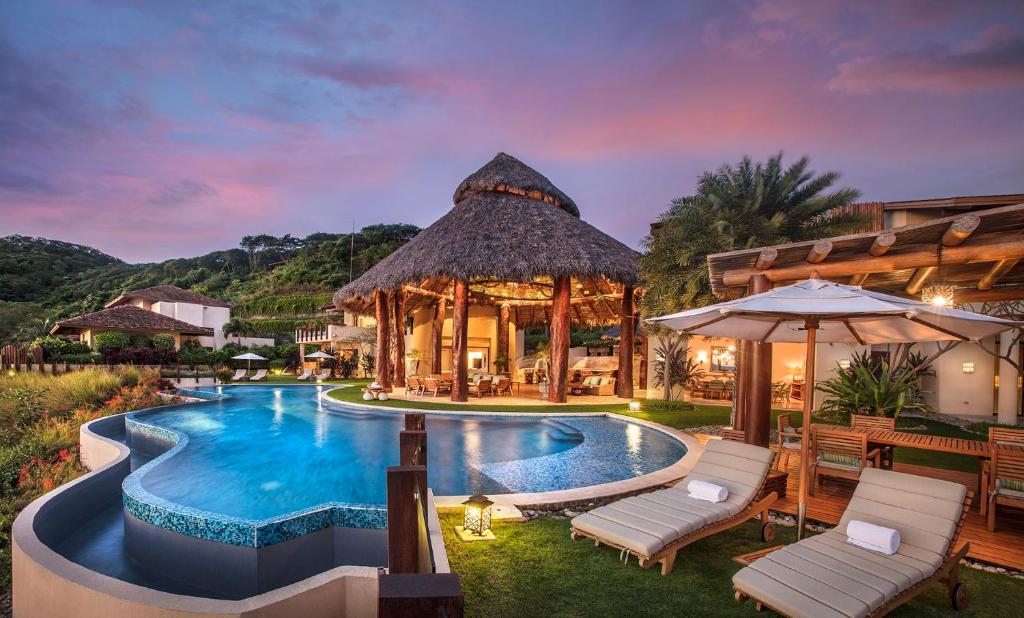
(996, 436)
(503, 385)
(480, 388)
(839, 454)
(789, 439)
(435, 386)
(735, 435)
(414, 386)
(863, 421)
(1007, 480)
(699, 389)
(780, 392)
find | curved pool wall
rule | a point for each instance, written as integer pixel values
(47, 583)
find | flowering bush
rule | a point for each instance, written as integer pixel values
(40, 475)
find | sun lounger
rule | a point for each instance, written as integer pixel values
(655, 526)
(306, 374)
(239, 374)
(325, 374)
(825, 576)
(261, 374)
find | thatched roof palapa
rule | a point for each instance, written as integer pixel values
(509, 233)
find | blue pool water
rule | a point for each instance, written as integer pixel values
(265, 452)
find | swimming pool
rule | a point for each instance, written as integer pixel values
(266, 464)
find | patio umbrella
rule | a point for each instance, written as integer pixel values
(819, 311)
(249, 357)
(319, 357)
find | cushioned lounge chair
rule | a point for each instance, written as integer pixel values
(825, 576)
(261, 374)
(655, 526)
(239, 374)
(325, 374)
(307, 373)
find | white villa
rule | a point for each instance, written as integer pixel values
(181, 313)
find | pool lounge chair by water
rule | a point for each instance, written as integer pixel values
(655, 526)
(325, 374)
(825, 576)
(307, 373)
(261, 374)
(239, 374)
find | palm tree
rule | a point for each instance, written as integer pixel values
(238, 327)
(737, 207)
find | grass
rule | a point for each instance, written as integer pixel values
(534, 569)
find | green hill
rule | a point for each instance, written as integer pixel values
(276, 281)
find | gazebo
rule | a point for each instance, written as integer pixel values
(514, 246)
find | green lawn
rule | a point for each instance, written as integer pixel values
(534, 569)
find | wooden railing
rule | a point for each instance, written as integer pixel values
(413, 586)
(317, 333)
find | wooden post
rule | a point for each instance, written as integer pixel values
(382, 373)
(644, 357)
(739, 404)
(437, 329)
(403, 511)
(559, 345)
(758, 421)
(415, 421)
(504, 317)
(412, 448)
(811, 326)
(421, 594)
(399, 361)
(627, 327)
(460, 333)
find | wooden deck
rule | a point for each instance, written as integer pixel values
(1005, 547)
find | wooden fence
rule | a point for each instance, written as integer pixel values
(413, 586)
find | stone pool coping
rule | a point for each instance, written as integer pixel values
(198, 523)
(45, 583)
(564, 497)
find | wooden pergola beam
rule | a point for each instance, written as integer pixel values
(964, 254)
(859, 279)
(819, 251)
(959, 230)
(882, 243)
(918, 279)
(766, 258)
(995, 273)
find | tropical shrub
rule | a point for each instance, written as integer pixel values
(141, 341)
(347, 365)
(278, 364)
(87, 358)
(223, 375)
(111, 341)
(163, 341)
(140, 356)
(54, 348)
(869, 387)
(368, 362)
(12, 458)
(682, 370)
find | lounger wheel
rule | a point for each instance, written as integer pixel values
(958, 596)
(768, 531)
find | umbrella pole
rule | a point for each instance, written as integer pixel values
(805, 448)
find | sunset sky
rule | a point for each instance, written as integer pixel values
(173, 129)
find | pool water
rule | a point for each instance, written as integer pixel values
(264, 452)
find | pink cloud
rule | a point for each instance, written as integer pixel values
(993, 61)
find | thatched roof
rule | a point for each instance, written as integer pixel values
(130, 318)
(167, 293)
(509, 225)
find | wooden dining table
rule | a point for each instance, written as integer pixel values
(944, 444)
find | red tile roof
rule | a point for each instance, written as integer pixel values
(168, 293)
(131, 318)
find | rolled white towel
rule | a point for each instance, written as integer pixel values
(870, 536)
(709, 492)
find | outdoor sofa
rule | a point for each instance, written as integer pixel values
(655, 526)
(825, 576)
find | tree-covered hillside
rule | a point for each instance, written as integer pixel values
(42, 280)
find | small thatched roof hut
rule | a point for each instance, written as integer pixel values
(512, 240)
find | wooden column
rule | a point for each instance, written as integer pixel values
(460, 333)
(504, 317)
(403, 484)
(627, 327)
(436, 331)
(559, 369)
(382, 370)
(644, 358)
(739, 405)
(758, 421)
(399, 360)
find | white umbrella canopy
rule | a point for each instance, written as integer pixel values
(845, 313)
(249, 357)
(819, 311)
(319, 354)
